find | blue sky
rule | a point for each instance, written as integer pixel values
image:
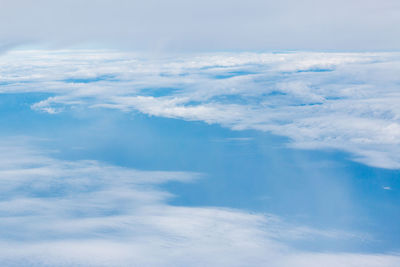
(188, 133)
(116, 158)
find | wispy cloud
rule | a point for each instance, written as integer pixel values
(63, 213)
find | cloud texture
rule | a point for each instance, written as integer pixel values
(86, 213)
(344, 101)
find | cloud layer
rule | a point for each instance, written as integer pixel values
(345, 101)
(86, 213)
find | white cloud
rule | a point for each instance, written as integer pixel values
(345, 101)
(87, 213)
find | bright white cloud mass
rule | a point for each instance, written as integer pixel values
(86, 213)
(344, 101)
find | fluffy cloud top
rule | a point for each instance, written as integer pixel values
(345, 101)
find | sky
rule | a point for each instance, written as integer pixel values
(182, 133)
(179, 25)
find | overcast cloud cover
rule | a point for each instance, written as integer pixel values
(180, 25)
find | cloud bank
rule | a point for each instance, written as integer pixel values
(344, 101)
(86, 213)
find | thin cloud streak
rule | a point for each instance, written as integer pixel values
(63, 213)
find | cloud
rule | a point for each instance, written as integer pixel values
(204, 25)
(344, 101)
(63, 213)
